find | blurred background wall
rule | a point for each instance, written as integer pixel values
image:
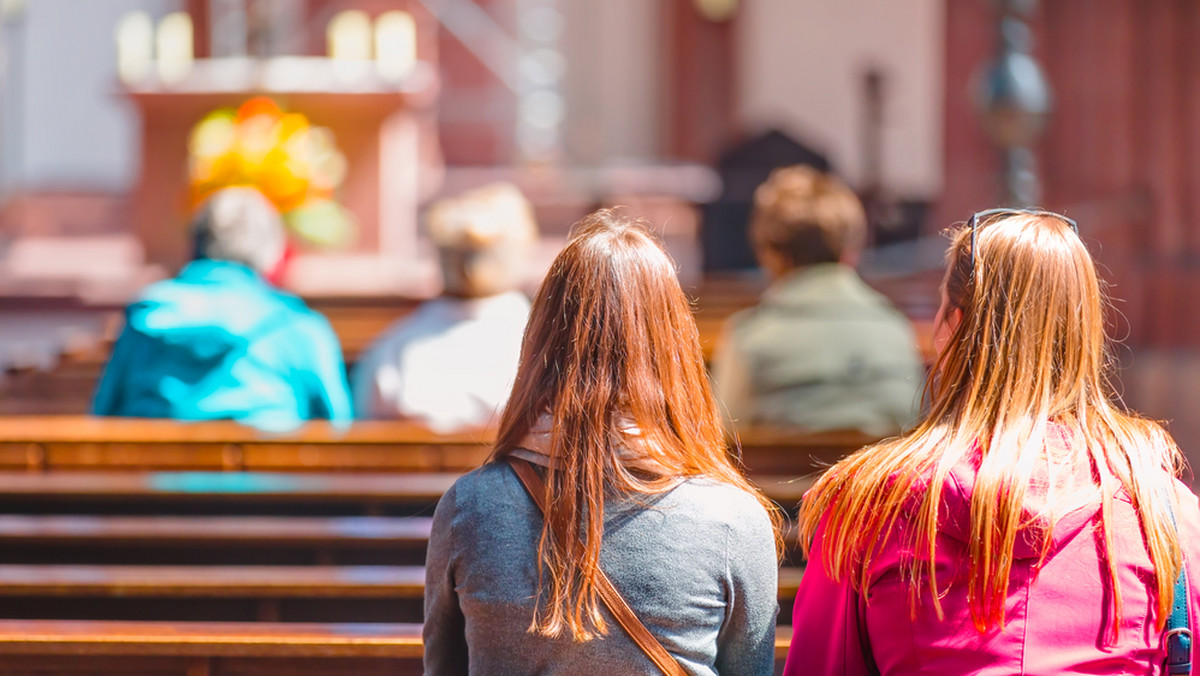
(664, 104)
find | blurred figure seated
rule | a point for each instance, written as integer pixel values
(451, 363)
(218, 341)
(822, 350)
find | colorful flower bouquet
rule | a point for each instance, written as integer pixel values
(293, 163)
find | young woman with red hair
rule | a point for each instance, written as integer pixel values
(610, 468)
(1027, 525)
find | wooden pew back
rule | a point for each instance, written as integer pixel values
(105, 648)
(80, 443)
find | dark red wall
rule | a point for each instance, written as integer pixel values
(1122, 150)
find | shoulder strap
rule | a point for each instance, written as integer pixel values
(1178, 638)
(612, 598)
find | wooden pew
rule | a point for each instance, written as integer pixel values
(224, 540)
(108, 648)
(342, 582)
(764, 450)
(240, 593)
(105, 648)
(213, 540)
(234, 593)
(245, 582)
(209, 531)
(85, 442)
(264, 493)
(220, 492)
(56, 443)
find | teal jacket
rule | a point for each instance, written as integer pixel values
(218, 342)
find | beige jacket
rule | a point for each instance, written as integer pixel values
(821, 351)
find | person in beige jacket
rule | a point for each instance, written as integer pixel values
(822, 350)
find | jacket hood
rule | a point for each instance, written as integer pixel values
(1066, 520)
(209, 310)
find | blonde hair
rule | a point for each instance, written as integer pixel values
(484, 237)
(1029, 349)
(807, 216)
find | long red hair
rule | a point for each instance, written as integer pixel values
(611, 342)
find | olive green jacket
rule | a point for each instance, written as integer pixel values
(821, 351)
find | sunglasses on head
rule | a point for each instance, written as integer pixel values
(986, 215)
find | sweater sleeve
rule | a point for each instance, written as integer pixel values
(746, 643)
(445, 627)
(826, 635)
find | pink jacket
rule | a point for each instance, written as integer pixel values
(1056, 616)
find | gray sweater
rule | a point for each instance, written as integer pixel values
(697, 564)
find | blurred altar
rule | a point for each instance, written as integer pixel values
(116, 116)
(350, 116)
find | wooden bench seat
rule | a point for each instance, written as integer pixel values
(53, 647)
(213, 540)
(85, 442)
(109, 648)
(191, 492)
(309, 593)
(234, 593)
(239, 581)
(209, 639)
(258, 487)
(225, 540)
(210, 531)
(78, 443)
(272, 582)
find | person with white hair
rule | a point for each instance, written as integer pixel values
(218, 341)
(452, 362)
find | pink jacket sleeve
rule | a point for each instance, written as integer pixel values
(826, 623)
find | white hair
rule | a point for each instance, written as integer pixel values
(239, 225)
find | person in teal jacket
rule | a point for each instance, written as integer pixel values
(219, 342)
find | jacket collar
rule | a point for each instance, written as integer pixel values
(633, 450)
(207, 270)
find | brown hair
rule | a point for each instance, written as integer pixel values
(1030, 349)
(611, 342)
(806, 216)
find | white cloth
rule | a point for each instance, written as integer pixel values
(633, 450)
(450, 364)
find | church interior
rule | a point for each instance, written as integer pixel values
(136, 545)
